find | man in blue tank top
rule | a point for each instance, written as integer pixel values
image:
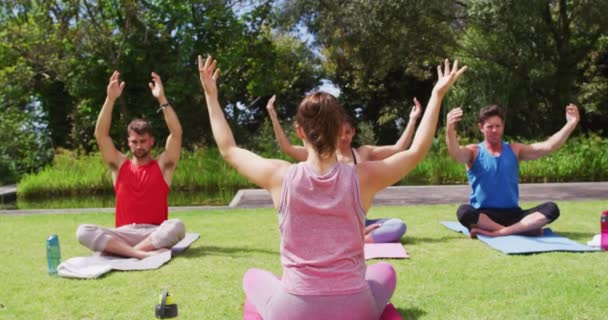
(493, 173)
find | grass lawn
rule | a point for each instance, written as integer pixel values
(447, 277)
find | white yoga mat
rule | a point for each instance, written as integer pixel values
(91, 267)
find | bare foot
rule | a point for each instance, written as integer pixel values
(146, 254)
(473, 231)
(473, 234)
(369, 238)
(368, 232)
(534, 233)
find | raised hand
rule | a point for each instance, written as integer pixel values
(115, 87)
(572, 115)
(447, 77)
(156, 86)
(270, 107)
(208, 74)
(453, 117)
(416, 109)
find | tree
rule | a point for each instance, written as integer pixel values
(59, 54)
(531, 57)
(379, 53)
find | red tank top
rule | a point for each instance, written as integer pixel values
(141, 194)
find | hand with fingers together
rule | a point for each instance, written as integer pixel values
(270, 107)
(572, 114)
(115, 87)
(208, 74)
(416, 110)
(453, 117)
(157, 88)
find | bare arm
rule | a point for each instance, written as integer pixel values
(377, 175)
(297, 152)
(459, 153)
(169, 158)
(540, 149)
(112, 157)
(266, 173)
(382, 152)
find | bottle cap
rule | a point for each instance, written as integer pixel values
(166, 307)
(53, 239)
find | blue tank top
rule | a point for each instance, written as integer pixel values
(494, 180)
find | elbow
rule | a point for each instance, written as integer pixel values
(177, 133)
(225, 152)
(99, 135)
(418, 152)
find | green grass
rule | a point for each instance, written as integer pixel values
(447, 277)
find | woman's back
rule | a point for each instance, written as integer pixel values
(322, 229)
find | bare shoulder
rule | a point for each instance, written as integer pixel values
(517, 147)
(472, 147)
(364, 152)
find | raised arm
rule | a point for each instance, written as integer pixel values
(461, 154)
(266, 173)
(112, 157)
(173, 147)
(377, 175)
(372, 153)
(297, 152)
(540, 149)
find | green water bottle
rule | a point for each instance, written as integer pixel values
(53, 254)
(166, 307)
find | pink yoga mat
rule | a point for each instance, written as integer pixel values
(385, 250)
(250, 313)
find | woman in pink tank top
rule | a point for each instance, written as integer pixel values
(322, 205)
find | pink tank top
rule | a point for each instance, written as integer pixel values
(322, 231)
(141, 194)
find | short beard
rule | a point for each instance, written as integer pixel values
(143, 156)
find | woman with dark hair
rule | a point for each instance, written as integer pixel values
(322, 205)
(376, 230)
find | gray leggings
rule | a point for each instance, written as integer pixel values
(166, 235)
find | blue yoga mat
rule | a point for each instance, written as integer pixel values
(515, 244)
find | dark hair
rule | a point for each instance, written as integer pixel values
(320, 117)
(490, 111)
(350, 120)
(139, 126)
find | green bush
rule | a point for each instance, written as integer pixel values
(580, 159)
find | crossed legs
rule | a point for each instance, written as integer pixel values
(502, 222)
(265, 291)
(135, 241)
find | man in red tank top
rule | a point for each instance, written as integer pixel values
(141, 184)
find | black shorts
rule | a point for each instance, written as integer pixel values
(467, 215)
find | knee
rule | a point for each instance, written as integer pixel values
(550, 210)
(169, 233)
(388, 269)
(248, 278)
(391, 230)
(467, 215)
(255, 279)
(386, 272)
(397, 227)
(175, 228)
(86, 235)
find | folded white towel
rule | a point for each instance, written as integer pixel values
(91, 267)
